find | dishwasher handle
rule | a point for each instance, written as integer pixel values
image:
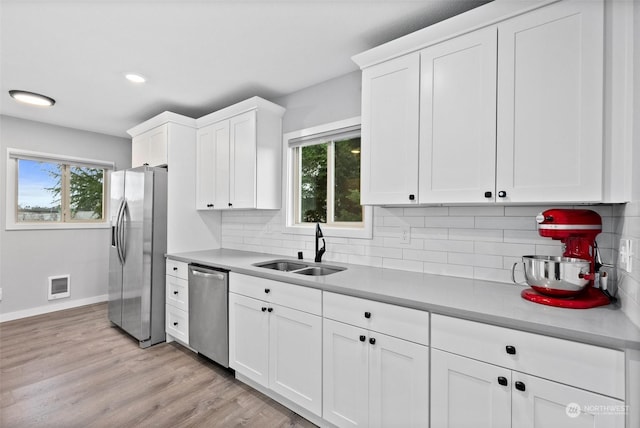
(207, 274)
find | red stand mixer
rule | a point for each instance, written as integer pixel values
(567, 281)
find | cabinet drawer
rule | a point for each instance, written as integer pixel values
(293, 296)
(178, 269)
(177, 292)
(585, 366)
(405, 323)
(177, 323)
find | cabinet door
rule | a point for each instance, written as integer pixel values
(295, 356)
(398, 382)
(150, 147)
(212, 166)
(549, 139)
(345, 374)
(457, 119)
(249, 338)
(242, 185)
(467, 393)
(390, 102)
(548, 404)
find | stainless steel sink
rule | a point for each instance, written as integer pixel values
(319, 270)
(281, 265)
(299, 267)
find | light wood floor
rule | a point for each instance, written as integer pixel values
(73, 369)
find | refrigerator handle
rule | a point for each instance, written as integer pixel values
(123, 231)
(117, 229)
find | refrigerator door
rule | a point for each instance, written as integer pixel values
(136, 247)
(115, 263)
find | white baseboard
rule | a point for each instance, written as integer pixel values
(10, 316)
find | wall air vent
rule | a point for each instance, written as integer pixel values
(59, 287)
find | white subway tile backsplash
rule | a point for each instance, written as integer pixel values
(387, 252)
(503, 249)
(409, 265)
(404, 221)
(489, 235)
(462, 271)
(447, 245)
(440, 221)
(430, 232)
(425, 256)
(490, 210)
(427, 212)
(522, 223)
(480, 260)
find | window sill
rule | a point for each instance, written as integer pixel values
(56, 226)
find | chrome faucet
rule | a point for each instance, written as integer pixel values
(319, 252)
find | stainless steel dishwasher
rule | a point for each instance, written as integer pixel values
(208, 313)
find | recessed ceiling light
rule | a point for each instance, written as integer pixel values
(32, 98)
(135, 78)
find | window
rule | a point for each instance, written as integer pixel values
(47, 191)
(324, 180)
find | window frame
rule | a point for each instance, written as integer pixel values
(291, 191)
(11, 202)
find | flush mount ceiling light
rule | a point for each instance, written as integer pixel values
(32, 98)
(135, 78)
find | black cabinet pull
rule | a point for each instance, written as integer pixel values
(175, 292)
(175, 324)
(209, 205)
(502, 194)
(175, 268)
(230, 204)
(372, 341)
(267, 290)
(270, 310)
(367, 314)
(264, 309)
(502, 380)
(511, 350)
(488, 194)
(412, 197)
(363, 338)
(520, 386)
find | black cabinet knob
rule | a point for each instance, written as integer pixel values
(362, 338)
(175, 268)
(502, 380)
(502, 194)
(267, 290)
(270, 310)
(175, 292)
(488, 194)
(175, 324)
(209, 205)
(230, 204)
(372, 341)
(412, 197)
(367, 314)
(520, 386)
(511, 350)
(264, 309)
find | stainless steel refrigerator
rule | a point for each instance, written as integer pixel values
(138, 214)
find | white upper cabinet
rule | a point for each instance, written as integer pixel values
(390, 102)
(550, 104)
(513, 112)
(458, 119)
(239, 157)
(150, 147)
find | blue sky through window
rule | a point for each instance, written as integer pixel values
(33, 180)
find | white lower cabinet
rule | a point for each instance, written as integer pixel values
(372, 379)
(177, 301)
(276, 346)
(470, 389)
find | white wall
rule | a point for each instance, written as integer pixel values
(29, 257)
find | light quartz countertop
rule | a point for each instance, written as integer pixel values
(483, 301)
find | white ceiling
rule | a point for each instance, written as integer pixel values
(198, 56)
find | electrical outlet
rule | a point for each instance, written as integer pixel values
(405, 235)
(626, 254)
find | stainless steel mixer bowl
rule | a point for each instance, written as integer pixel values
(555, 276)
